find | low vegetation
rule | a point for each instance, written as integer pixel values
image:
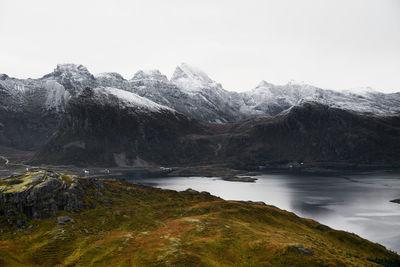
(123, 224)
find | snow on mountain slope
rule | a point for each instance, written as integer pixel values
(367, 102)
(360, 90)
(104, 95)
(56, 95)
(73, 77)
(149, 75)
(112, 79)
(204, 103)
(189, 78)
(44, 94)
(109, 75)
(190, 91)
(207, 94)
(271, 99)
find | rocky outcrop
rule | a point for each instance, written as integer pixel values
(40, 194)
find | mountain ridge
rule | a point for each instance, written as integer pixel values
(33, 109)
(201, 91)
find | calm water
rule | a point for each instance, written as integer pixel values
(357, 203)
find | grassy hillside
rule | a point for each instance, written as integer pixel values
(133, 225)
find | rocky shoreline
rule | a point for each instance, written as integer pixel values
(240, 179)
(396, 200)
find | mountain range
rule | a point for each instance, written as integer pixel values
(71, 116)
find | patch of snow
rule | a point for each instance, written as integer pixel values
(109, 75)
(76, 72)
(57, 96)
(149, 75)
(360, 90)
(190, 78)
(129, 99)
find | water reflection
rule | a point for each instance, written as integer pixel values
(356, 203)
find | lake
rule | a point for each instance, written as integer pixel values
(357, 203)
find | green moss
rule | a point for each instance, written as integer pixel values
(25, 181)
(67, 178)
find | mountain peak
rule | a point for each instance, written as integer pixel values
(74, 71)
(264, 83)
(191, 78)
(186, 71)
(150, 75)
(3, 76)
(71, 68)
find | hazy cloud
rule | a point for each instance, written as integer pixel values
(333, 44)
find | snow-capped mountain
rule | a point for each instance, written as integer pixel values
(192, 79)
(80, 113)
(49, 93)
(39, 104)
(190, 92)
(31, 109)
(212, 100)
(150, 75)
(111, 79)
(73, 77)
(270, 99)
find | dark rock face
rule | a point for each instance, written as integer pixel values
(27, 130)
(315, 132)
(40, 194)
(96, 134)
(106, 132)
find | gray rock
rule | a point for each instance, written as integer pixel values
(43, 197)
(64, 219)
(107, 201)
(14, 181)
(301, 250)
(98, 194)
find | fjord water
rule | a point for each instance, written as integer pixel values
(357, 203)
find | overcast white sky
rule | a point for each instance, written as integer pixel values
(335, 44)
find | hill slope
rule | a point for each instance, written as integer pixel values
(119, 224)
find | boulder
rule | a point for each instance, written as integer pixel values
(64, 219)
